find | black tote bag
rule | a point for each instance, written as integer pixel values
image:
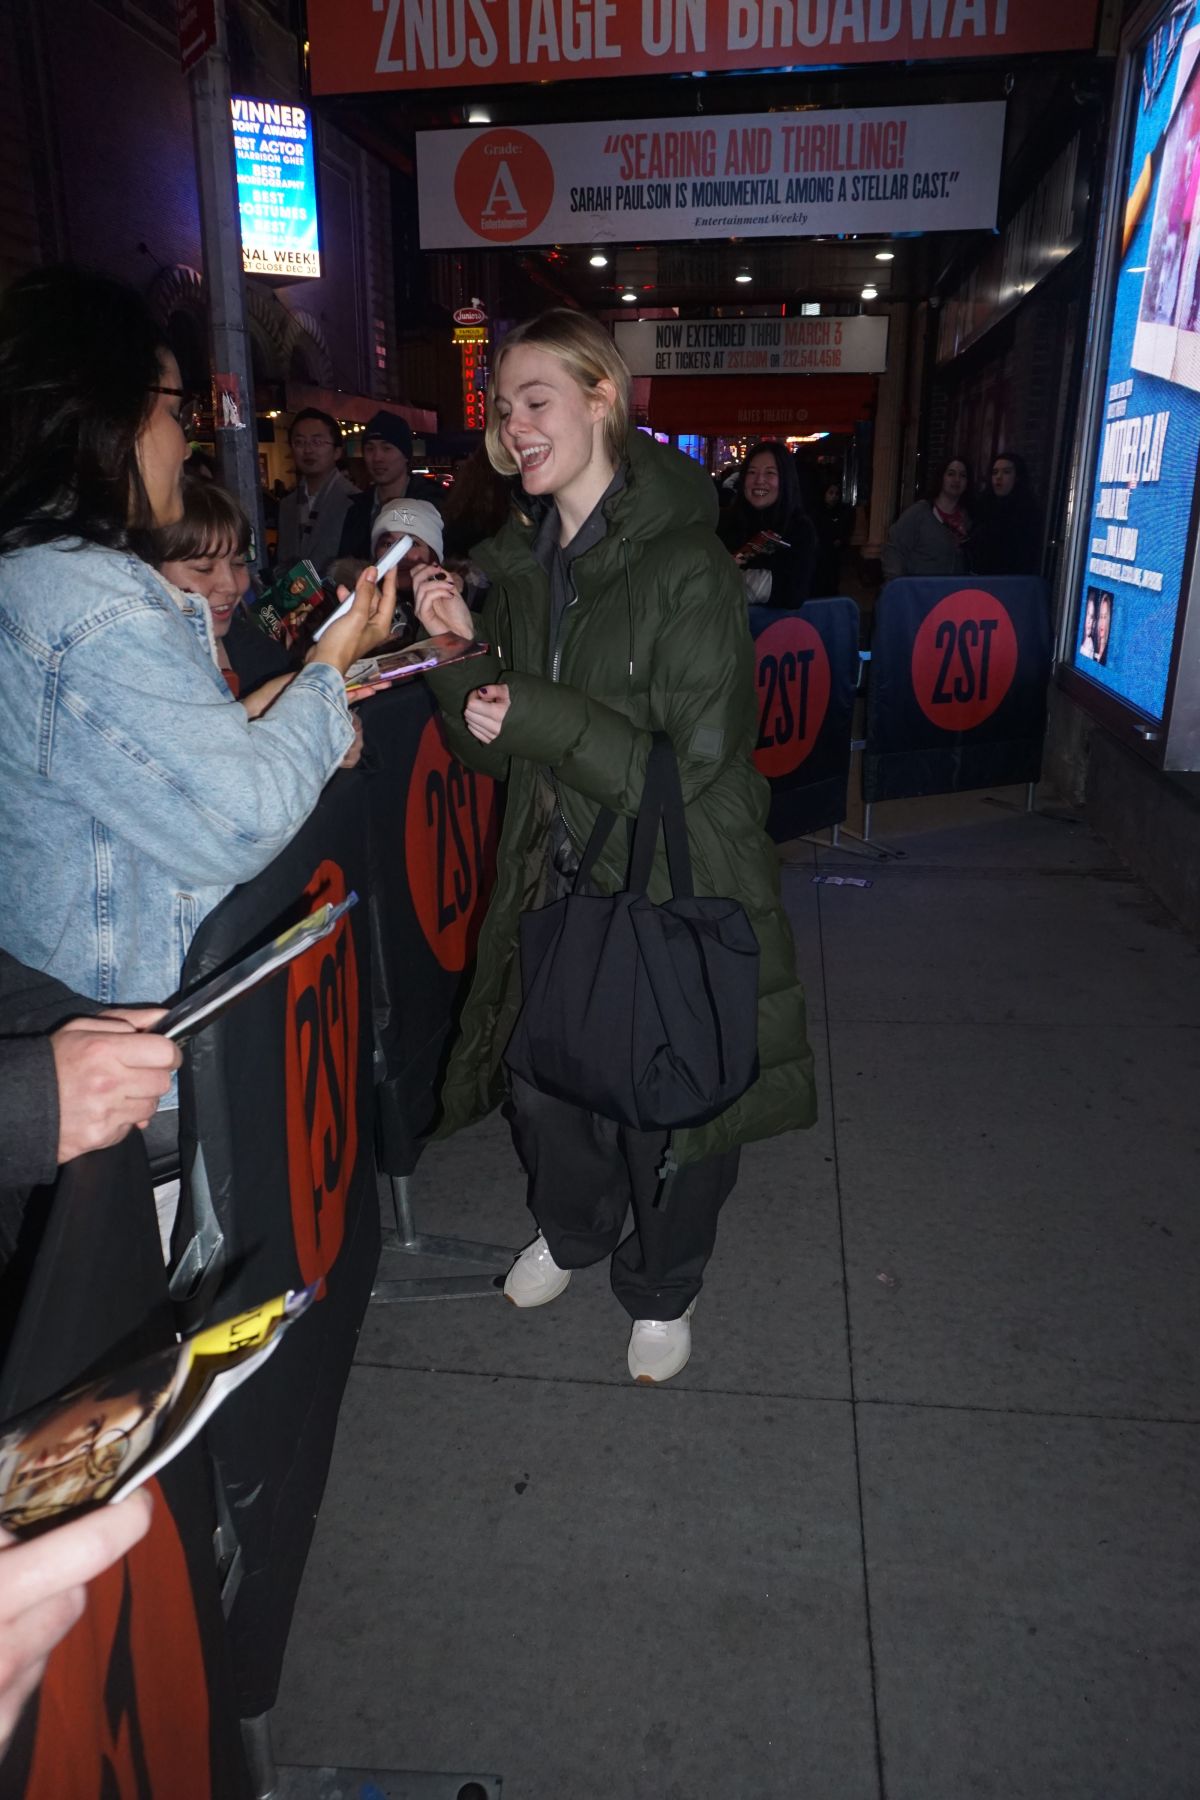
(644, 1014)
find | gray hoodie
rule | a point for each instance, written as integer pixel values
(919, 544)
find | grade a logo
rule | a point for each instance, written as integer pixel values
(503, 185)
(964, 659)
(793, 695)
(450, 846)
(123, 1709)
(322, 1083)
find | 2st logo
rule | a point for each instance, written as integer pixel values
(123, 1710)
(794, 685)
(964, 659)
(321, 1084)
(450, 846)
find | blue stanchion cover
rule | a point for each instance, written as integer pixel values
(957, 695)
(806, 669)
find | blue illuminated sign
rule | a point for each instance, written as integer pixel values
(277, 189)
(1142, 494)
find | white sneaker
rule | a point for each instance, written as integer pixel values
(535, 1277)
(659, 1348)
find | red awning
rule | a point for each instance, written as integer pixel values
(760, 405)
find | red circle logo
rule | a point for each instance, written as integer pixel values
(503, 185)
(964, 659)
(794, 682)
(321, 1072)
(450, 847)
(124, 1706)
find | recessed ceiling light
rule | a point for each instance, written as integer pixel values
(598, 259)
(629, 295)
(885, 256)
(478, 115)
(870, 293)
(743, 275)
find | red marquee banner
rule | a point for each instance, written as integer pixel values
(761, 405)
(358, 45)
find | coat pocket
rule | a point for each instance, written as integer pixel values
(187, 923)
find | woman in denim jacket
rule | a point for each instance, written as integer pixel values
(137, 791)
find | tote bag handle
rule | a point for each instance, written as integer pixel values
(662, 799)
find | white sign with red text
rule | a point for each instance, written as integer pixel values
(830, 346)
(893, 169)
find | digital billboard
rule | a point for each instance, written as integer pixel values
(1137, 535)
(277, 189)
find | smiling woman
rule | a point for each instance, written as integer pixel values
(766, 529)
(613, 615)
(206, 552)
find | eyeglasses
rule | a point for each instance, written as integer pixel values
(310, 443)
(188, 414)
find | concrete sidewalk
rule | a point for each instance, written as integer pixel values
(919, 1520)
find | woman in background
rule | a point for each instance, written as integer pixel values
(206, 551)
(929, 538)
(1006, 533)
(834, 524)
(767, 499)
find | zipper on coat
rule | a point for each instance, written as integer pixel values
(561, 633)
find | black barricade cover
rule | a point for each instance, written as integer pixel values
(806, 671)
(138, 1699)
(278, 1094)
(957, 693)
(434, 827)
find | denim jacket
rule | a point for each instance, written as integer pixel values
(135, 791)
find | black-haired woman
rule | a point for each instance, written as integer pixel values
(1006, 534)
(930, 537)
(771, 537)
(137, 790)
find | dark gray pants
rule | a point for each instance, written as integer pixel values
(585, 1172)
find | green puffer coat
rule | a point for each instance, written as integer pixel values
(656, 639)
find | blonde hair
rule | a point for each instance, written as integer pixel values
(589, 355)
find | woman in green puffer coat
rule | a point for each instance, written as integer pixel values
(613, 613)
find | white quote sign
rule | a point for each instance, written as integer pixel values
(878, 169)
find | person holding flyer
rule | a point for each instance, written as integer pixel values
(138, 790)
(767, 531)
(613, 614)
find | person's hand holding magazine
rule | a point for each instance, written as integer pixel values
(438, 598)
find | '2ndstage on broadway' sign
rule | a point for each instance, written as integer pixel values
(362, 44)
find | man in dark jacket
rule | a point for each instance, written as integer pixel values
(73, 1078)
(387, 453)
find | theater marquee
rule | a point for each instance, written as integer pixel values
(357, 45)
